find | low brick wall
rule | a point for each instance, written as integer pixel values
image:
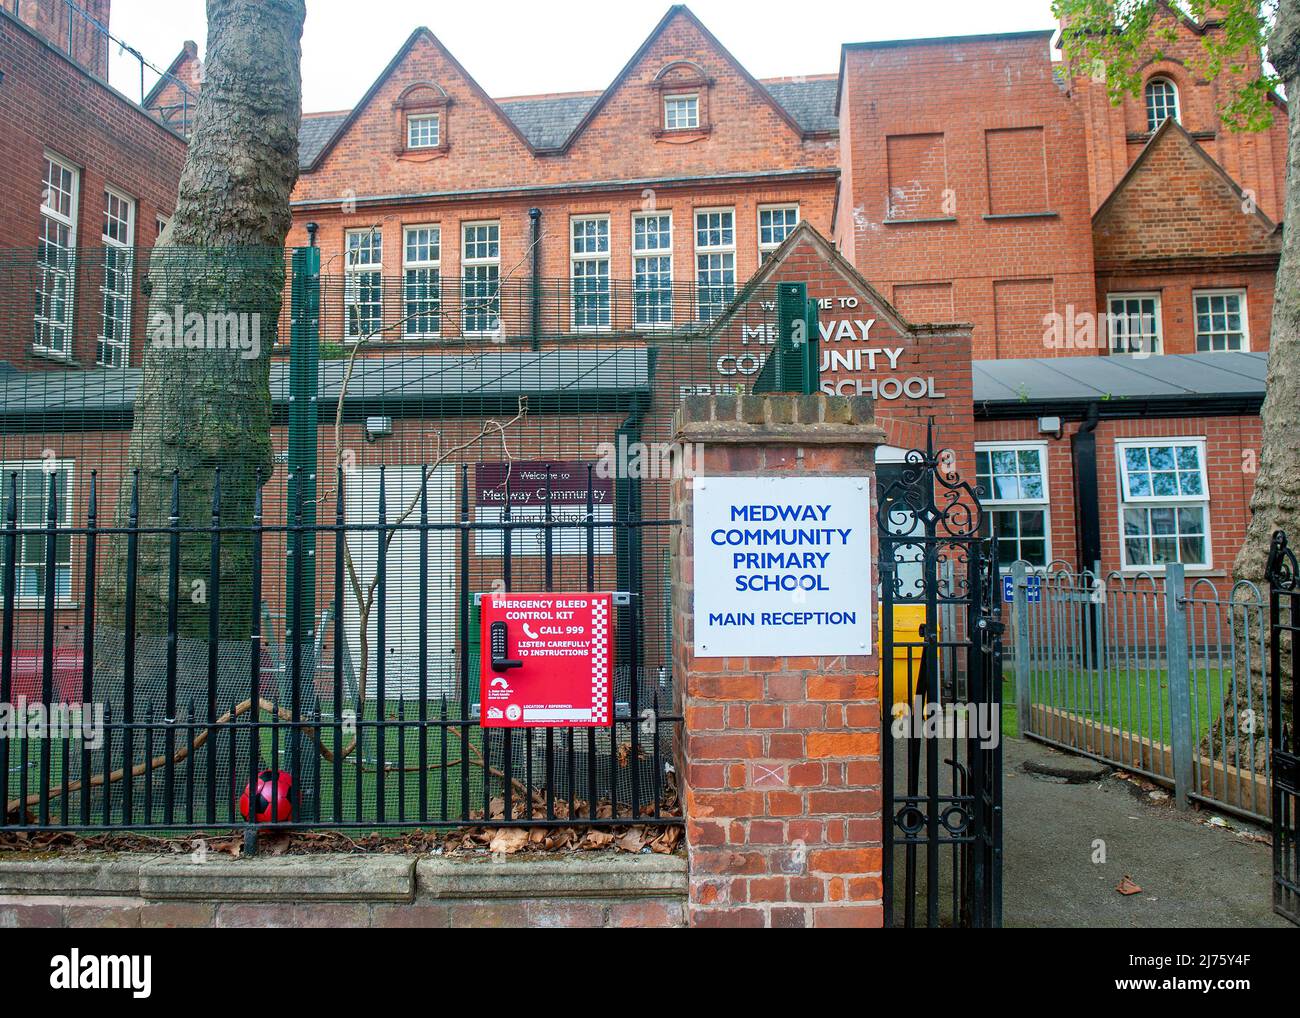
(108, 890)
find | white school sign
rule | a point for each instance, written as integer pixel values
(782, 566)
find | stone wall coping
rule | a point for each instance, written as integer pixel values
(343, 877)
(778, 419)
(567, 876)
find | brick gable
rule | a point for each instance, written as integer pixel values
(1176, 202)
(619, 137)
(1117, 133)
(363, 157)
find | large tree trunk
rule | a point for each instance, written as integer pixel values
(1275, 504)
(199, 409)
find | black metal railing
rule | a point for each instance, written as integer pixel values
(430, 307)
(156, 673)
(1284, 662)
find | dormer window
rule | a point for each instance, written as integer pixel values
(682, 95)
(421, 121)
(423, 130)
(1162, 102)
(681, 112)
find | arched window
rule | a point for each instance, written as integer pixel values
(1162, 102)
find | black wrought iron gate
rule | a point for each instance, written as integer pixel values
(1284, 656)
(941, 665)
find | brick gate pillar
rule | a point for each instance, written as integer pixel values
(779, 762)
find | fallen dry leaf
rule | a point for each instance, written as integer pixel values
(632, 841)
(509, 840)
(596, 839)
(1126, 886)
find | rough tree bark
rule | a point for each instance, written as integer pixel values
(198, 409)
(1275, 503)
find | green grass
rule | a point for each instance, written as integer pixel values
(1128, 700)
(358, 770)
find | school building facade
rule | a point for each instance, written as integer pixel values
(1079, 293)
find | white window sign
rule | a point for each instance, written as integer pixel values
(782, 566)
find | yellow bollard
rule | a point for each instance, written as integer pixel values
(908, 620)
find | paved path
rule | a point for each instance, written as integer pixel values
(1191, 874)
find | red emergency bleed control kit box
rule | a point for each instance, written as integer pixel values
(546, 660)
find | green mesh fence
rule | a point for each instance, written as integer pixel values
(180, 384)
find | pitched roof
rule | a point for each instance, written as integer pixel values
(811, 101)
(548, 121)
(314, 132)
(552, 122)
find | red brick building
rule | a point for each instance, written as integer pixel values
(967, 180)
(89, 179)
(1091, 285)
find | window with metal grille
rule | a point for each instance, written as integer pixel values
(652, 268)
(715, 261)
(115, 287)
(774, 225)
(589, 269)
(1162, 102)
(1164, 503)
(1012, 481)
(56, 266)
(480, 259)
(422, 282)
(1134, 322)
(33, 481)
(363, 284)
(1221, 321)
(681, 112)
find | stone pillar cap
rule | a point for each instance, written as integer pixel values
(783, 418)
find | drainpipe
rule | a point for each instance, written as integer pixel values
(535, 215)
(311, 233)
(1087, 515)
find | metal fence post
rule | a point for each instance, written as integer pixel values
(1179, 677)
(1020, 622)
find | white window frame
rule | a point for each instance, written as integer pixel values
(670, 99)
(1176, 114)
(1225, 291)
(765, 248)
(993, 503)
(46, 467)
(1126, 500)
(480, 263)
(426, 265)
(352, 273)
(597, 263)
(420, 119)
(655, 319)
(116, 338)
(160, 224)
(45, 323)
(1153, 295)
(721, 251)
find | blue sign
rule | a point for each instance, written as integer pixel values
(1033, 588)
